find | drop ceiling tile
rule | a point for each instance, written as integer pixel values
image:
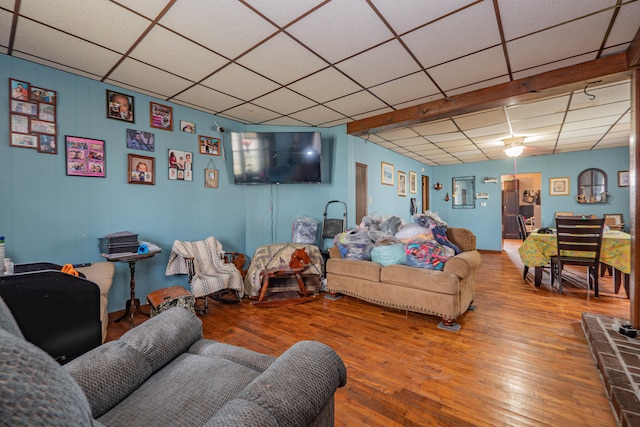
(492, 138)
(208, 98)
(440, 126)
(524, 126)
(282, 12)
(480, 85)
(483, 118)
(413, 87)
(230, 35)
(149, 78)
(285, 121)
(150, 9)
(282, 60)
(442, 137)
(600, 121)
(355, 103)
(618, 108)
(521, 74)
(284, 101)
(520, 18)
(381, 64)
(44, 42)
(415, 13)
(8, 4)
(317, 115)
(539, 108)
(500, 128)
(55, 65)
(418, 101)
(372, 138)
(252, 85)
(594, 133)
(578, 38)
(536, 131)
(625, 26)
(410, 142)
(567, 147)
(486, 65)
(253, 113)
(186, 59)
(465, 32)
(456, 145)
(347, 28)
(400, 133)
(5, 27)
(601, 95)
(325, 85)
(85, 19)
(622, 127)
(372, 113)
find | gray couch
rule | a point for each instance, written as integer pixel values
(164, 373)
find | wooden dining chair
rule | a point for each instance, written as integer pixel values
(522, 229)
(578, 243)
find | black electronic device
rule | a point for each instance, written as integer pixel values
(276, 157)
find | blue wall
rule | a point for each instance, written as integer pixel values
(486, 221)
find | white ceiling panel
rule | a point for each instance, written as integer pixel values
(468, 31)
(329, 63)
(189, 60)
(284, 101)
(253, 85)
(340, 29)
(282, 59)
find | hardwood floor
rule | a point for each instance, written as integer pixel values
(520, 359)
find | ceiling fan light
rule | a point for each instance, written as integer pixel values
(514, 150)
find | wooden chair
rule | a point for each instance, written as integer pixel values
(579, 242)
(564, 214)
(522, 229)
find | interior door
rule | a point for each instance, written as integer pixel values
(425, 193)
(510, 208)
(361, 192)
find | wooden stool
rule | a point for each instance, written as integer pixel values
(282, 272)
(174, 296)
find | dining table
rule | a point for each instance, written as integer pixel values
(615, 251)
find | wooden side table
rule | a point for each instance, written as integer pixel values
(133, 303)
(270, 273)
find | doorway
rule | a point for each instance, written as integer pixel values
(425, 193)
(361, 192)
(521, 196)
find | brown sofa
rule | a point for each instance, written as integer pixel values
(447, 293)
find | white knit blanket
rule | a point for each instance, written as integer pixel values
(212, 274)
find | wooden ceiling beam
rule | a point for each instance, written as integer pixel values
(633, 51)
(608, 69)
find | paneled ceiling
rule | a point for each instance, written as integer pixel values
(324, 63)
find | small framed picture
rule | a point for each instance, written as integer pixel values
(47, 112)
(402, 184)
(209, 145)
(559, 186)
(47, 144)
(387, 173)
(141, 170)
(180, 165)
(140, 140)
(42, 95)
(413, 182)
(19, 123)
(161, 116)
(188, 127)
(40, 126)
(623, 178)
(85, 156)
(23, 107)
(19, 90)
(120, 106)
(210, 178)
(23, 140)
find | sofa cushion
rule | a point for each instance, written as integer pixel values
(367, 270)
(462, 238)
(421, 278)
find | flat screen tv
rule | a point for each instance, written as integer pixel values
(276, 157)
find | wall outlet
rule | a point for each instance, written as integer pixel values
(483, 203)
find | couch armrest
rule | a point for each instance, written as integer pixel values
(292, 392)
(464, 264)
(109, 373)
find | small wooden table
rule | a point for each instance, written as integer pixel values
(276, 272)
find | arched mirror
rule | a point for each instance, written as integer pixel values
(464, 191)
(592, 186)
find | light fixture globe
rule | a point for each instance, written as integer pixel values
(515, 146)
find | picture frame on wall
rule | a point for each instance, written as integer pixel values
(39, 94)
(402, 184)
(120, 106)
(85, 156)
(19, 89)
(161, 116)
(141, 169)
(188, 127)
(140, 140)
(559, 186)
(623, 178)
(47, 144)
(210, 178)
(24, 107)
(19, 123)
(40, 126)
(180, 165)
(386, 173)
(413, 182)
(23, 140)
(209, 145)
